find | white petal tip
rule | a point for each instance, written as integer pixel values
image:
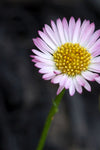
(80, 92)
(97, 79)
(71, 94)
(33, 50)
(89, 90)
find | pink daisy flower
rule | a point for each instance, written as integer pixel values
(68, 54)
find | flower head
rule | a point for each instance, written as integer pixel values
(68, 54)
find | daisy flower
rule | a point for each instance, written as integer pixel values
(68, 54)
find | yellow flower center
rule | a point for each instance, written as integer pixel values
(71, 59)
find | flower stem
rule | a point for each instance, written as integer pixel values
(52, 112)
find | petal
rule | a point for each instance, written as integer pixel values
(83, 82)
(60, 31)
(78, 87)
(47, 61)
(76, 31)
(57, 72)
(71, 28)
(93, 39)
(47, 56)
(67, 82)
(62, 81)
(56, 79)
(44, 31)
(65, 28)
(40, 65)
(34, 60)
(71, 88)
(94, 68)
(96, 60)
(51, 34)
(42, 46)
(96, 46)
(39, 45)
(97, 79)
(89, 75)
(47, 40)
(87, 34)
(48, 76)
(87, 86)
(55, 31)
(96, 53)
(60, 89)
(84, 26)
(46, 70)
(61, 84)
(80, 80)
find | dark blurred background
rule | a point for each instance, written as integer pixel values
(25, 99)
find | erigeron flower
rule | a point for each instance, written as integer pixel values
(68, 54)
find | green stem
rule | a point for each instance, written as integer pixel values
(52, 112)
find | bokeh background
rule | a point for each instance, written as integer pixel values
(25, 99)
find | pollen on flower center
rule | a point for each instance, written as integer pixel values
(71, 59)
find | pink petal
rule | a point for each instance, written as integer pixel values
(96, 46)
(94, 68)
(39, 46)
(80, 80)
(83, 82)
(47, 56)
(65, 28)
(83, 29)
(51, 34)
(71, 88)
(32, 56)
(44, 31)
(48, 76)
(67, 83)
(56, 79)
(97, 79)
(93, 39)
(42, 46)
(89, 75)
(87, 34)
(61, 84)
(78, 87)
(55, 31)
(47, 40)
(62, 81)
(60, 31)
(96, 53)
(60, 89)
(40, 65)
(87, 86)
(47, 61)
(34, 60)
(71, 28)
(46, 70)
(76, 31)
(96, 60)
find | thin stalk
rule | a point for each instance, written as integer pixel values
(52, 112)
